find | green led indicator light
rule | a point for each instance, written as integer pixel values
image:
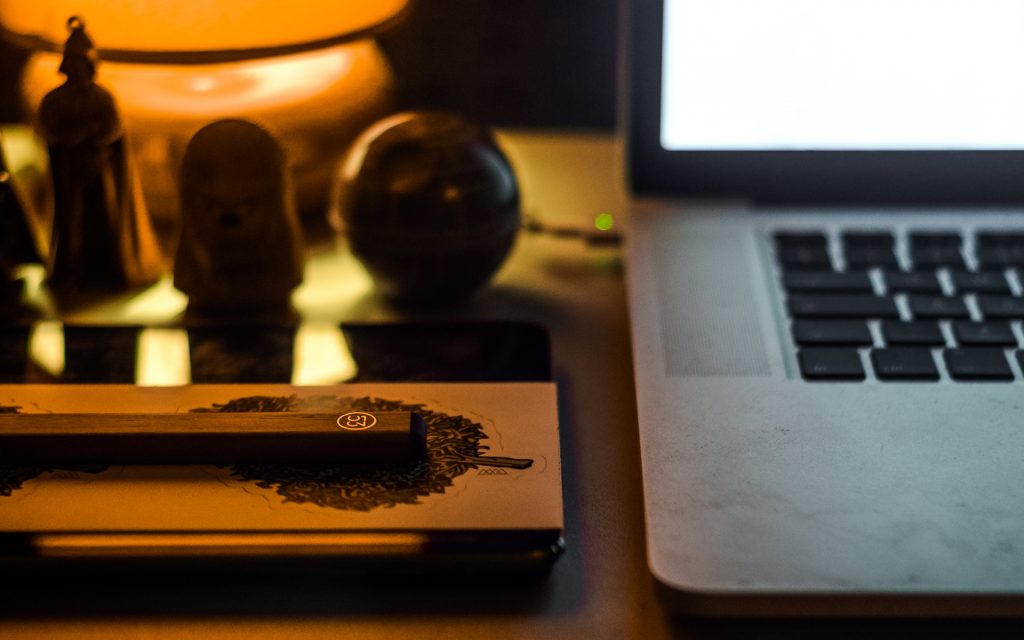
(604, 221)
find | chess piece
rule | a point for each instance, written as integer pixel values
(102, 237)
(430, 205)
(241, 251)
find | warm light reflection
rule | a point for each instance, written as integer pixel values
(245, 544)
(360, 147)
(21, 149)
(242, 86)
(321, 355)
(154, 305)
(46, 346)
(202, 84)
(221, 89)
(335, 284)
(163, 358)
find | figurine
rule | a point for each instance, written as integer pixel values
(241, 251)
(102, 237)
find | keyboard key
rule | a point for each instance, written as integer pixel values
(1001, 307)
(980, 281)
(1000, 248)
(800, 239)
(977, 363)
(984, 334)
(830, 364)
(904, 363)
(997, 257)
(877, 239)
(923, 306)
(935, 239)
(931, 257)
(807, 250)
(828, 281)
(806, 305)
(867, 247)
(912, 333)
(939, 249)
(836, 332)
(997, 238)
(912, 282)
(859, 257)
(805, 257)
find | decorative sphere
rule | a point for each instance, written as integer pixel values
(430, 205)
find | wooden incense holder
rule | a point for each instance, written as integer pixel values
(50, 439)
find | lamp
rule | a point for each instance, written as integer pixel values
(310, 71)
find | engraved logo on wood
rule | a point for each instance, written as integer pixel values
(356, 420)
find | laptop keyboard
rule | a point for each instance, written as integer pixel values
(916, 306)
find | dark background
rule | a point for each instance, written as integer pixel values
(543, 63)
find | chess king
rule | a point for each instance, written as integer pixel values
(102, 239)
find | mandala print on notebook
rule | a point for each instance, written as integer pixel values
(453, 448)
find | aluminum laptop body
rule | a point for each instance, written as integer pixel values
(772, 143)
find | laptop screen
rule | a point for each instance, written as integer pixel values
(843, 74)
(837, 101)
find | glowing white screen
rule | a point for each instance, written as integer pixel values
(843, 74)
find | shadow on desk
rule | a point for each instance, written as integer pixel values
(706, 629)
(286, 597)
(269, 595)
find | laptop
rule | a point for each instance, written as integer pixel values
(826, 285)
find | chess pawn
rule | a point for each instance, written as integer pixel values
(102, 236)
(240, 253)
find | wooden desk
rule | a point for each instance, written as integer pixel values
(599, 589)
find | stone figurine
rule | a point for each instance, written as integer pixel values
(241, 252)
(102, 239)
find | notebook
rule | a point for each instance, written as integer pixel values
(485, 499)
(826, 287)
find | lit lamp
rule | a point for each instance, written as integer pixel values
(310, 71)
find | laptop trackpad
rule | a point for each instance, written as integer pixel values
(709, 318)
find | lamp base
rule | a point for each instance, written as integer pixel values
(315, 103)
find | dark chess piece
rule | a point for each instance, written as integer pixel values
(103, 240)
(241, 252)
(430, 205)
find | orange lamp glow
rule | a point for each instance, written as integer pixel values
(310, 72)
(198, 31)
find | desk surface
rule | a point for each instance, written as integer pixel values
(599, 589)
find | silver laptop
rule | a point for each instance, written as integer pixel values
(826, 280)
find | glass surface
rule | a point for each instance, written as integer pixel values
(311, 353)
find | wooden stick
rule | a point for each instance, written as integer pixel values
(51, 439)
